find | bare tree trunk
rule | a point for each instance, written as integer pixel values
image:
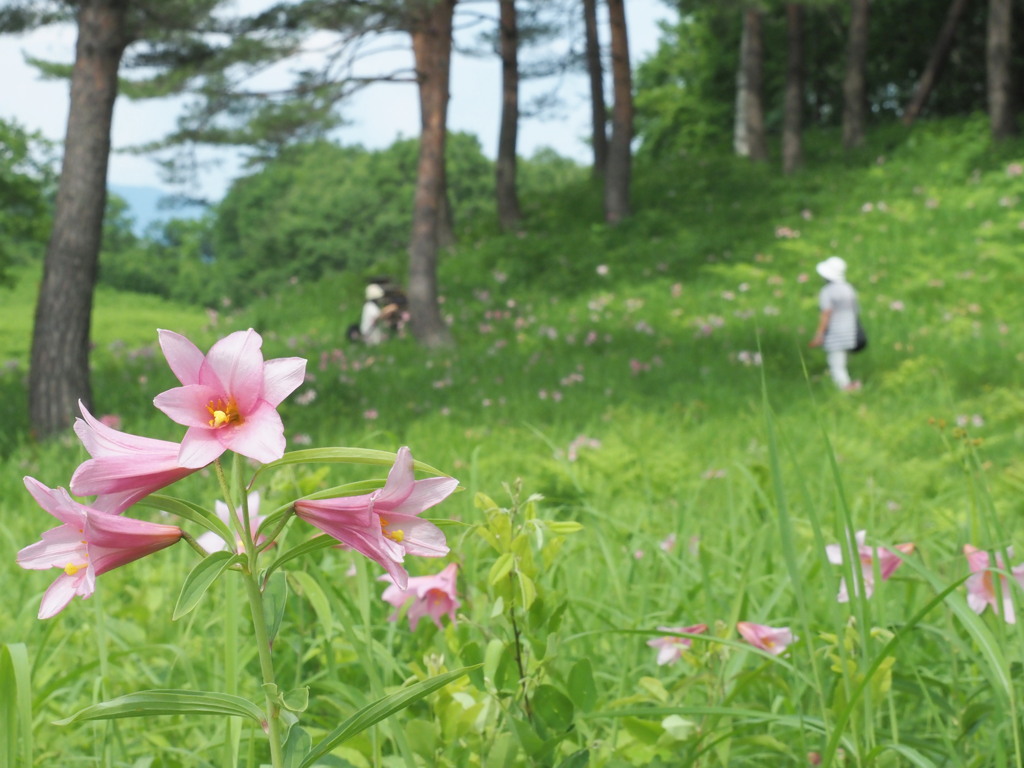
(431, 31)
(753, 67)
(509, 214)
(740, 143)
(854, 86)
(793, 108)
(936, 61)
(59, 371)
(998, 39)
(598, 111)
(617, 178)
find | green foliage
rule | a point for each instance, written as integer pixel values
(321, 208)
(687, 89)
(685, 480)
(26, 179)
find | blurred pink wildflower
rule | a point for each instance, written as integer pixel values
(229, 397)
(773, 640)
(124, 468)
(434, 596)
(981, 590)
(888, 562)
(670, 648)
(88, 544)
(383, 525)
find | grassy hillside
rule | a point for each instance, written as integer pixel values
(653, 383)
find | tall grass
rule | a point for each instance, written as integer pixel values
(653, 384)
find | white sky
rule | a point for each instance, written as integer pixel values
(378, 115)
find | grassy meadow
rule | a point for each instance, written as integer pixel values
(643, 440)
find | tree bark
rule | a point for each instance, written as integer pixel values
(936, 61)
(740, 144)
(617, 178)
(753, 67)
(59, 369)
(998, 39)
(431, 32)
(598, 111)
(793, 107)
(509, 213)
(855, 101)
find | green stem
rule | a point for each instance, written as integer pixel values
(259, 624)
(259, 617)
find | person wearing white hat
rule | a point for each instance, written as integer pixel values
(370, 325)
(837, 324)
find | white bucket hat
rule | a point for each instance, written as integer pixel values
(374, 292)
(832, 269)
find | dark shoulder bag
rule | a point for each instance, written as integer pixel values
(862, 337)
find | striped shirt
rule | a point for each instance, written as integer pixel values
(841, 299)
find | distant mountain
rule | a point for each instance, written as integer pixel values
(148, 205)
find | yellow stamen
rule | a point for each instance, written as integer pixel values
(71, 569)
(223, 413)
(396, 536)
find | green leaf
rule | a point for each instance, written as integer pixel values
(483, 502)
(553, 708)
(580, 759)
(581, 685)
(168, 702)
(343, 456)
(308, 587)
(190, 511)
(501, 568)
(313, 545)
(912, 756)
(200, 578)
(379, 710)
(527, 591)
(275, 597)
(533, 744)
(15, 705)
(492, 658)
(472, 655)
(296, 700)
(563, 527)
(296, 747)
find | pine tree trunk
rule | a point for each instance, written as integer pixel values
(59, 371)
(936, 61)
(431, 31)
(617, 178)
(793, 108)
(854, 85)
(740, 144)
(753, 67)
(998, 39)
(509, 214)
(598, 111)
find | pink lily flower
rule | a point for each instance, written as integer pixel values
(773, 640)
(432, 596)
(124, 468)
(211, 542)
(88, 544)
(888, 562)
(670, 648)
(981, 590)
(229, 397)
(383, 525)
